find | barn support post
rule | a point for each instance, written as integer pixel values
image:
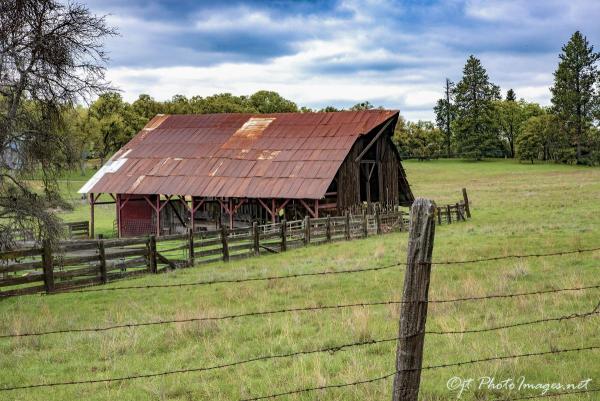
(158, 215)
(119, 223)
(92, 202)
(413, 310)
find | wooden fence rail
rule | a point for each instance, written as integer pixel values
(75, 263)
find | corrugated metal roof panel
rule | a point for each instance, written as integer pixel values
(286, 155)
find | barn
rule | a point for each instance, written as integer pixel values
(198, 171)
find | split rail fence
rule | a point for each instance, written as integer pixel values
(76, 263)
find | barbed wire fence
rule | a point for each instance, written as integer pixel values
(412, 330)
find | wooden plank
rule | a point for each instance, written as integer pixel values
(20, 253)
(7, 281)
(24, 266)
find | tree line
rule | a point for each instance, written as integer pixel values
(474, 121)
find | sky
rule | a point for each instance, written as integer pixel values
(394, 54)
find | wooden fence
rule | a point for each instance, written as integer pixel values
(77, 263)
(459, 211)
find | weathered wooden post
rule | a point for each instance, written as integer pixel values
(152, 253)
(413, 311)
(306, 230)
(377, 222)
(190, 247)
(48, 266)
(283, 235)
(466, 200)
(457, 212)
(402, 227)
(256, 238)
(439, 215)
(448, 214)
(365, 226)
(347, 227)
(102, 256)
(224, 234)
(328, 229)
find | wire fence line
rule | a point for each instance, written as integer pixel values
(97, 288)
(290, 310)
(429, 367)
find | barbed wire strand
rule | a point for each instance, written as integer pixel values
(430, 367)
(286, 310)
(332, 349)
(97, 288)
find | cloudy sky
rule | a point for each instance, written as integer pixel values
(317, 53)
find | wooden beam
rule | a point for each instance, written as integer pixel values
(366, 149)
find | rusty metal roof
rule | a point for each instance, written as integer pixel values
(284, 155)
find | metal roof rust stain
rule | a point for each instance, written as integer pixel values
(291, 155)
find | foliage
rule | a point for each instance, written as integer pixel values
(476, 127)
(421, 140)
(51, 55)
(445, 114)
(575, 96)
(543, 139)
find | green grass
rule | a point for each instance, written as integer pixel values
(516, 209)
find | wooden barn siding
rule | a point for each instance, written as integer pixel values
(393, 186)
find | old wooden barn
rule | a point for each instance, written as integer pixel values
(204, 170)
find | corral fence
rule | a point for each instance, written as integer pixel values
(76, 263)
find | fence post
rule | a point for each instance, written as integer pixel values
(466, 200)
(328, 229)
(283, 235)
(439, 215)
(347, 227)
(402, 227)
(457, 212)
(365, 225)
(190, 247)
(102, 256)
(448, 214)
(152, 253)
(377, 222)
(256, 238)
(306, 230)
(224, 235)
(413, 311)
(48, 266)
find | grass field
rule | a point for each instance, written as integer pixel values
(516, 209)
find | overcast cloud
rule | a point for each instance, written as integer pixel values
(394, 54)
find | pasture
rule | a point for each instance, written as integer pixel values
(517, 208)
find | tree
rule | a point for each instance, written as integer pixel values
(511, 96)
(511, 115)
(116, 123)
(51, 55)
(445, 113)
(543, 139)
(146, 107)
(422, 139)
(271, 102)
(362, 106)
(475, 127)
(575, 91)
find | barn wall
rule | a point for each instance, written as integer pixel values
(390, 179)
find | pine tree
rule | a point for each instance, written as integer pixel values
(445, 113)
(575, 92)
(476, 126)
(511, 96)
